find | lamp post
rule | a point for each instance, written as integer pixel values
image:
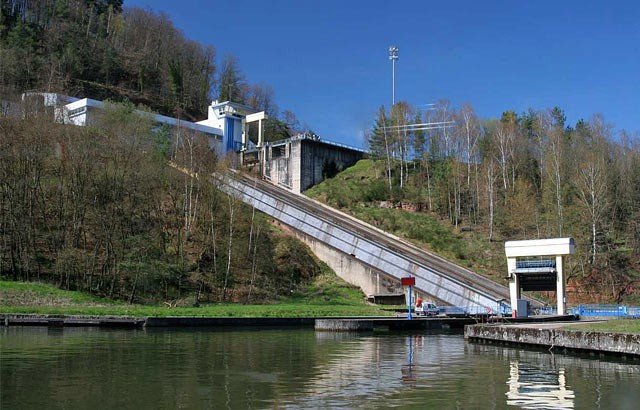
(393, 56)
(408, 282)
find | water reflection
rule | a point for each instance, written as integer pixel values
(84, 368)
(408, 369)
(538, 388)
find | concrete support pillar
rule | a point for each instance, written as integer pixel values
(244, 135)
(260, 133)
(560, 286)
(514, 283)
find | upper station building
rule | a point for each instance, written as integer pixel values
(295, 163)
(225, 127)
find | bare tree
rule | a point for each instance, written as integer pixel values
(591, 181)
(491, 178)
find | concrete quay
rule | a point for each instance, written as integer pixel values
(389, 324)
(139, 322)
(326, 323)
(228, 322)
(71, 321)
(552, 336)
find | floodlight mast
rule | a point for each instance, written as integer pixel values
(393, 56)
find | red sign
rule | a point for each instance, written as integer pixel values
(410, 281)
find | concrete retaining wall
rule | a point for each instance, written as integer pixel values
(70, 321)
(337, 325)
(390, 324)
(227, 321)
(350, 269)
(315, 155)
(620, 343)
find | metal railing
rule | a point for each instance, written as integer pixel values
(622, 311)
(476, 310)
(607, 311)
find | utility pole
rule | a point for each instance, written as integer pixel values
(393, 56)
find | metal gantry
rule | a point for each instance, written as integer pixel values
(420, 126)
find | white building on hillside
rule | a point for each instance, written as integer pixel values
(225, 127)
(232, 119)
(86, 112)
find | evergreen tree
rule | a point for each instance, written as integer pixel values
(231, 84)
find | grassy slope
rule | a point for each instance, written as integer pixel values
(355, 191)
(327, 295)
(614, 326)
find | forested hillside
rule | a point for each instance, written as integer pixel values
(102, 49)
(523, 176)
(98, 209)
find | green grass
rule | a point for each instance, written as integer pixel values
(613, 326)
(327, 289)
(356, 184)
(327, 295)
(358, 191)
(358, 188)
(19, 294)
(222, 310)
(419, 227)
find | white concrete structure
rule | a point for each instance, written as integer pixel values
(257, 117)
(537, 265)
(300, 162)
(225, 126)
(85, 112)
(49, 101)
(231, 118)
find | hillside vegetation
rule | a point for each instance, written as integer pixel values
(99, 209)
(359, 190)
(464, 188)
(102, 49)
(324, 295)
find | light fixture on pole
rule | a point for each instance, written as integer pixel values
(393, 56)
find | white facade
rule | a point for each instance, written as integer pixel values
(540, 247)
(225, 126)
(231, 119)
(54, 101)
(84, 112)
(550, 256)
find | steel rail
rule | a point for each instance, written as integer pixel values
(490, 300)
(432, 263)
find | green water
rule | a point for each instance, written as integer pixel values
(70, 368)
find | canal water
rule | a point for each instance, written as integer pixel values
(81, 368)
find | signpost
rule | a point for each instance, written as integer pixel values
(409, 282)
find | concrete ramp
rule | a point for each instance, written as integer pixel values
(350, 246)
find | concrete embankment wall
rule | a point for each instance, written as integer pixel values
(314, 156)
(362, 244)
(139, 322)
(618, 343)
(349, 268)
(327, 323)
(388, 324)
(70, 320)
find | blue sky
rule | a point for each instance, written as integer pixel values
(328, 60)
